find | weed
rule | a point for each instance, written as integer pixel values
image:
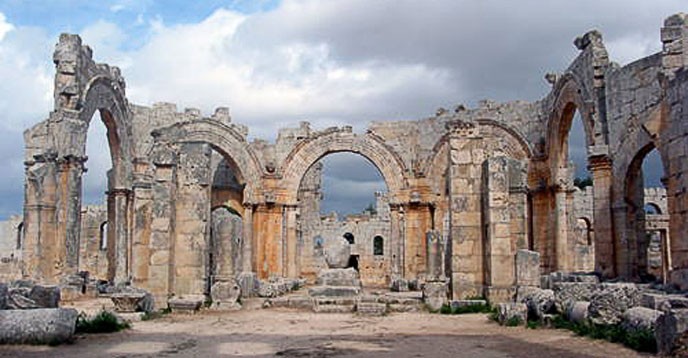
(103, 322)
(514, 321)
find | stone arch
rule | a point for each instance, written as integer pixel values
(310, 151)
(631, 245)
(652, 208)
(569, 96)
(105, 95)
(224, 139)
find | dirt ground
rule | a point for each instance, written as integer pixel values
(288, 333)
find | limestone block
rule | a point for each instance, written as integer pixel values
(18, 299)
(670, 331)
(145, 304)
(4, 292)
(339, 277)
(45, 296)
(337, 252)
(249, 283)
(127, 301)
(578, 312)
(679, 278)
(435, 295)
(334, 291)
(572, 277)
(608, 304)
(527, 268)
(38, 326)
(509, 311)
(371, 309)
(225, 295)
(186, 304)
(539, 302)
(663, 302)
(567, 293)
(399, 285)
(636, 318)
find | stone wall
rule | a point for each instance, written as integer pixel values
(442, 174)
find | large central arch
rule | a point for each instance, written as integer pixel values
(307, 153)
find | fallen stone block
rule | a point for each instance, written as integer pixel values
(512, 313)
(371, 309)
(334, 291)
(578, 312)
(338, 277)
(435, 295)
(527, 268)
(640, 318)
(127, 301)
(670, 331)
(4, 293)
(566, 293)
(18, 300)
(539, 302)
(608, 304)
(225, 295)
(249, 283)
(663, 302)
(45, 296)
(465, 303)
(186, 304)
(399, 285)
(337, 252)
(37, 326)
(679, 278)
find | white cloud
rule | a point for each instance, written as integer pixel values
(5, 26)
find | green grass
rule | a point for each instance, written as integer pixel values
(481, 308)
(642, 340)
(514, 321)
(103, 322)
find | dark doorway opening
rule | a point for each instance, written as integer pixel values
(353, 262)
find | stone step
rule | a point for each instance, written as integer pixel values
(371, 309)
(334, 309)
(334, 291)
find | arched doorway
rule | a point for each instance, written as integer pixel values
(344, 195)
(646, 232)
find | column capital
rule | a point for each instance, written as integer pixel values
(599, 162)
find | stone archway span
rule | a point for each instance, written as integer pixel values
(105, 94)
(223, 138)
(373, 148)
(516, 144)
(568, 96)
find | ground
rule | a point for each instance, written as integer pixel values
(287, 333)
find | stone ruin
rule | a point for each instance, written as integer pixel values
(467, 188)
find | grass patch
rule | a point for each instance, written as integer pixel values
(481, 308)
(642, 340)
(532, 324)
(514, 321)
(103, 322)
(155, 314)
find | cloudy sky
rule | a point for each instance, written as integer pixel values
(332, 62)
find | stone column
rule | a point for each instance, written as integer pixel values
(499, 258)
(418, 222)
(247, 240)
(465, 159)
(396, 241)
(118, 241)
(39, 218)
(141, 227)
(601, 168)
(290, 212)
(268, 234)
(562, 190)
(69, 223)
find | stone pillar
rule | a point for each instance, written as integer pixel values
(141, 227)
(290, 219)
(398, 240)
(417, 223)
(70, 170)
(465, 159)
(40, 243)
(268, 239)
(192, 203)
(601, 168)
(518, 204)
(247, 240)
(161, 247)
(563, 187)
(499, 258)
(433, 242)
(118, 230)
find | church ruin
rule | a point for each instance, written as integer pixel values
(191, 202)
